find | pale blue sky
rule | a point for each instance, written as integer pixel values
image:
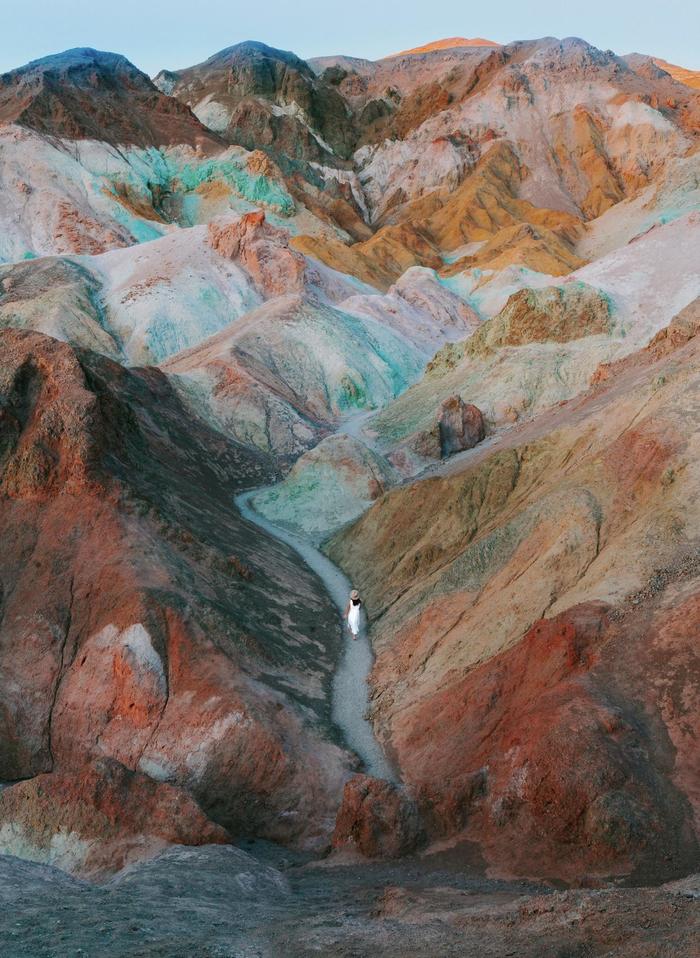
(177, 33)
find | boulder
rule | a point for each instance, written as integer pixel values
(378, 819)
(96, 820)
(461, 426)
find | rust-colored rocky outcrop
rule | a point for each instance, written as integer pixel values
(554, 314)
(98, 818)
(546, 738)
(125, 632)
(378, 819)
(263, 250)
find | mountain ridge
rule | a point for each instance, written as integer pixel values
(60, 95)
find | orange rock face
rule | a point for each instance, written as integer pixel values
(691, 78)
(77, 233)
(105, 816)
(448, 43)
(380, 260)
(263, 250)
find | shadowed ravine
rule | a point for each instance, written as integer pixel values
(350, 693)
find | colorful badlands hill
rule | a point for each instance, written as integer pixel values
(449, 43)
(689, 77)
(260, 270)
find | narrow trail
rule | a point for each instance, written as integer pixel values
(350, 696)
(355, 427)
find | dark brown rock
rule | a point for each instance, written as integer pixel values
(461, 426)
(248, 80)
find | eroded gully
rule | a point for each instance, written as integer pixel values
(350, 693)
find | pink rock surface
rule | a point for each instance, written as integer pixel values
(264, 252)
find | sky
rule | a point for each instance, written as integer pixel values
(179, 33)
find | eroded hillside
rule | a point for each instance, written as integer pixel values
(443, 309)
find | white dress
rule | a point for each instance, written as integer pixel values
(354, 617)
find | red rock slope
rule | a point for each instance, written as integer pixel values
(689, 77)
(142, 621)
(535, 614)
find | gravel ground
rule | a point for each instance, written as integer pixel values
(221, 902)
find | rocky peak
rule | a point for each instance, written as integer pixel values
(257, 96)
(252, 51)
(449, 43)
(79, 64)
(90, 94)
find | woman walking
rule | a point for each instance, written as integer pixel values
(352, 613)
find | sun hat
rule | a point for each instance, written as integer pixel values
(354, 594)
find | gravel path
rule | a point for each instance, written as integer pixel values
(350, 691)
